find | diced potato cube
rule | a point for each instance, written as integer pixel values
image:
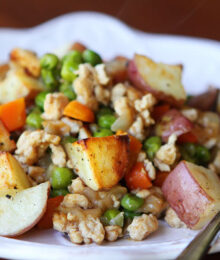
(194, 193)
(163, 80)
(18, 84)
(26, 59)
(101, 162)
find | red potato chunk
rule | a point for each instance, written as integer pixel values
(205, 101)
(173, 122)
(163, 80)
(193, 192)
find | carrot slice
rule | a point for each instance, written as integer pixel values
(13, 114)
(135, 145)
(79, 111)
(187, 138)
(160, 178)
(159, 111)
(47, 220)
(138, 178)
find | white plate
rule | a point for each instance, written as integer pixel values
(110, 37)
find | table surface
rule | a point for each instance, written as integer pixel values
(187, 17)
(199, 18)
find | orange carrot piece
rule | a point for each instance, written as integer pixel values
(135, 145)
(134, 148)
(160, 178)
(187, 138)
(79, 111)
(159, 111)
(47, 220)
(13, 114)
(138, 178)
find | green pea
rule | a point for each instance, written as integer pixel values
(74, 56)
(104, 111)
(113, 217)
(190, 148)
(111, 213)
(131, 202)
(91, 57)
(195, 153)
(103, 132)
(188, 152)
(40, 98)
(68, 70)
(203, 155)
(49, 61)
(186, 156)
(67, 90)
(34, 120)
(36, 110)
(152, 145)
(61, 177)
(130, 214)
(60, 192)
(49, 79)
(106, 121)
(68, 139)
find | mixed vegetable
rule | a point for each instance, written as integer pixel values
(104, 148)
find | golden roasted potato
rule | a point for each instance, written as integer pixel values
(18, 84)
(26, 59)
(6, 144)
(193, 192)
(163, 80)
(101, 162)
(4, 68)
(12, 176)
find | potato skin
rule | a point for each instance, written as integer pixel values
(187, 191)
(173, 122)
(205, 101)
(100, 161)
(140, 80)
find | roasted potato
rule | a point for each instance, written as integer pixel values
(205, 101)
(6, 144)
(12, 176)
(193, 192)
(101, 162)
(22, 211)
(26, 59)
(4, 68)
(173, 122)
(17, 84)
(163, 80)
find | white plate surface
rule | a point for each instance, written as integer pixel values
(110, 37)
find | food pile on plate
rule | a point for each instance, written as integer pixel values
(99, 149)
